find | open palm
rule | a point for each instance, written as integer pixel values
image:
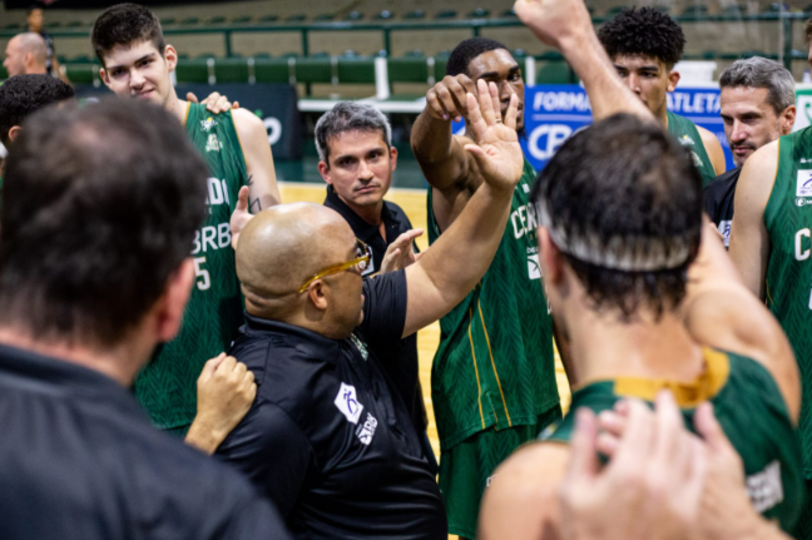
(497, 151)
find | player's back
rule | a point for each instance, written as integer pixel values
(81, 461)
(750, 408)
(166, 386)
(788, 219)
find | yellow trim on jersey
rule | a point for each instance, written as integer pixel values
(476, 369)
(493, 364)
(186, 116)
(687, 394)
(767, 292)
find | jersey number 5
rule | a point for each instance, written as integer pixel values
(201, 274)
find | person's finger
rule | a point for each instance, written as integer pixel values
(481, 158)
(476, 123)
(637, 438)
(669, 447)
(235, 105)
(448, 103)
(612, 423)
(210, 366)
(242, 199)
(621, 407)
(435, 105)
(240, 368)
(467, 83)
(191, 97)
(226, 366)
(496, 103)
(583, 459)
(512, 114)
(708, 427)
(457, 93)
(486, 103)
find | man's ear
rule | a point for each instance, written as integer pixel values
(317, 294)
(550, 258)
(324, 171)
(104, 77)
(171, 305)
(171, 57)
(14, 132)
(393, 157)
(788, 119)
(673, 79)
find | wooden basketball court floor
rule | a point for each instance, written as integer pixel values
(413, 202)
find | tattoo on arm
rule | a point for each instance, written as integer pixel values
(254, 206)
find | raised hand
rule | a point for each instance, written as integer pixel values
(497, 151)
(215, 102)
(240, 217)
(553, 21)
(400, 253)
(446, 100)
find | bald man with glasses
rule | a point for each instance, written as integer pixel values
(329, 439)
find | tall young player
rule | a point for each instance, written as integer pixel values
(644, 44)
(771, 243)
(136, 63)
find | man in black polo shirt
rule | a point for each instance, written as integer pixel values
(329, 438)
(758, 107)
(95, 271)
(357, 159)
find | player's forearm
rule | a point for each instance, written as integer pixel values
(607, 93)
(431, 139)
(463, 253)
(204, 437)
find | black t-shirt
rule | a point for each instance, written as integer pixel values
(328, 439)
(718, 198)
(400, 358)
(80, 460)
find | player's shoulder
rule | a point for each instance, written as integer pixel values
(521, 501)
(245, 119)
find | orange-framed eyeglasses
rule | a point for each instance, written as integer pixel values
(360, 263)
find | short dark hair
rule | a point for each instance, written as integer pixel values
(33, 7)
(622, 201)
(97, 214)
(124, 24)
(808, 29)
(22, 95)
(466, 51)
(349, 116)
(644, 31)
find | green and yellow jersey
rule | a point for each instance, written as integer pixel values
(749, 407)
(495, 366)
(166, 387)
(686, 133)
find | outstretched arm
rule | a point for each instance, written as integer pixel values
(264, 192)
(567, 26)
(450, 269)
(720, 312)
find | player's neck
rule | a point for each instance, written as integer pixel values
(604, 347)
(121, 363)
(176, 106)
(662, 116)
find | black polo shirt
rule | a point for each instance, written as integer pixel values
(80, 460)
(718, 199)
(328, 439)
(401, 357)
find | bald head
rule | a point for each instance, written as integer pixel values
(287, 244)
(25, 55)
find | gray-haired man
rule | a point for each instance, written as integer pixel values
(758, 107)
(357, 159)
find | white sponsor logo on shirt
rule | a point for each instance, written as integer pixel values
(367, 430)
(803, 187)
(347, 403)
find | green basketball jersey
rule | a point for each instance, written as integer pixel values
(166, 387)
(686, 133)
(751, 411)
(495, 365)
(788, 219)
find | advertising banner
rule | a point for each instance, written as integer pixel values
(553, 113)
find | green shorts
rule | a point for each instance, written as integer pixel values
(466, 469)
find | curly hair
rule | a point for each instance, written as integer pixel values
(466, 51)
(643, 31)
